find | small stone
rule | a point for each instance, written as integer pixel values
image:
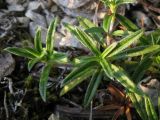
(19, 2)
(7, 64)
(54, 8)
(70, 41)
(17, 8)
(71, 4)
(38, 18)
(34, 5)
(78, 12)
(24, 21)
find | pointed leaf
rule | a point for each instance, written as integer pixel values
(123, 78)
(31, 63)
(107, 23)
(150, 109)
(50, 35)
(106, 65)
(77, 72)
(92, 88)
(87, 41)
(38, 41)
(85, 23)
(126, 23)
(143, 65)
(71, 84)
(109, 49)
(137, 101)
(136, 51)
(127, 41)
(43, 81)
(23, 52)
(119, 2)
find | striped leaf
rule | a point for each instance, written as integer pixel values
(23, 52)
(38, 41)
(50, 35)
(92, 88)
(126, 23)
(71, 84)
(108, 22)
(127, 41)
(43, 81)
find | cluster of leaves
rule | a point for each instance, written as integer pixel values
(46, 55)
(105, 60)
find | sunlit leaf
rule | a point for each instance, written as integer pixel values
(127, 41)
(109, 49)
(106, 65)
(136, 51)
(85, 23)
(87, 41)
(107, 23)
(138, 102)
(119, 2)
(38, 41)
(79, 71)
(71, 84)
(50, 35)
(23, 52)
(150, 109)
(121, 76)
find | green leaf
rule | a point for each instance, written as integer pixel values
(136, 51)
(143, 65)
(58, 57)
(71, 84)
(119, 2)
(107, 23)
(43, 81)
(85, 23)
(106, 65)
(120, 33)
(84, 38)
(97, 34)
(50, 35)
(38, 41)
(121, 76)
(137, 101)
(87, 41)
(109, 49)
(23, 52)
(31, 63)
(92, 88)
(77, 72)
(84, 59)
(127, 41)
(150, 109)
(126, 23)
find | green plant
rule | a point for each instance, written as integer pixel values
(106, 55)
(105, 60)
(46, 55)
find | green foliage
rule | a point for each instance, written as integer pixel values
(106, 58)
(102, 62)
(39, 54)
